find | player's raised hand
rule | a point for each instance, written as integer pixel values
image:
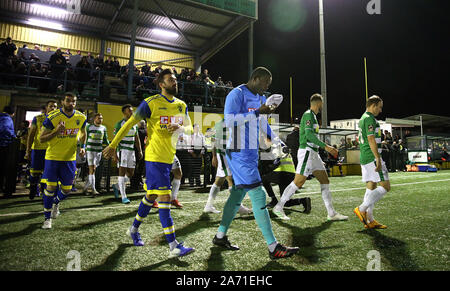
(109, 152)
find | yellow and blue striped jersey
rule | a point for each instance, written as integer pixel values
(159, 112)
(63, 147)
(38, 121)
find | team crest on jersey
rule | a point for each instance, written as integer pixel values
(78, 122)
(371, 127)
(252, 109)
(180, 109)
(308, 122)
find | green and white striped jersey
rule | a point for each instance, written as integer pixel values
(368, 125)
(309, 132)
(96, 137)
(127, 143)
(220, 137)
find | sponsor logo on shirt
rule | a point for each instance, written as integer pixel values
(252, 109)
(69, 132)
(165, 120)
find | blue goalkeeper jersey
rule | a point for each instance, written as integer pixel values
(245, 125)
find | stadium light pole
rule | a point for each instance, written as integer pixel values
(132, 48)
(323, 77)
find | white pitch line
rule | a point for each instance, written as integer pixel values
(217, 200)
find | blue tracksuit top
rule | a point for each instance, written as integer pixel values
(244, 123)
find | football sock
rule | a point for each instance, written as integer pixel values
(231, 208)
(370, 213)
(48, 203)
(373, 197)
(166, 221)
(175, 188)
(121, 184)
(288, 192)
(212, 194)
(144, 209)
(92, 181)
(220, 235)
(258, 198)
(326, 196)
(60, 196)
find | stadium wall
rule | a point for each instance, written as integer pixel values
(48, 39)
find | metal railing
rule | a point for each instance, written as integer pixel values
(102, 85)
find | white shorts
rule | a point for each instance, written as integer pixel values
(369, 174)
(93, 158)
(127, 159)
(309, 161)
(176, 163)
(222, 166)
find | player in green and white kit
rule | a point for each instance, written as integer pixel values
(96, 136)
(373, 168)
(126, 160)
(309, 162)
(219, 140)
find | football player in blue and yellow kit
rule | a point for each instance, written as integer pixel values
(166, 117)
(61, 130)
(36, 150)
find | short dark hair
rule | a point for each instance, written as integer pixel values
(50, 101)
(8, 109)
(69, 94)
(97, 114)
(260, 72)
(26, 123)
(161, 75)
(316, 97)
(125, 107)
(374, 100)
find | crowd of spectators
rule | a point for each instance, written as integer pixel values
(60, 73)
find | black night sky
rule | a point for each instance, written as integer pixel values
(407, 50)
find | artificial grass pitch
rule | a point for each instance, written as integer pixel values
(416, 212)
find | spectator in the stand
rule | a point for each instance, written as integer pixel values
(7, 48)
(90, 57)
(83, 73)
(7, 135)
(146, 69)
(205, 74)
(140, 89)
(197, 150)
(174, 70)
(25, 46)
(158, 69)
(342, 145)
(109, 65)
(58, 65)
(229, 84)
(78, 53)
(98, 62)
(68, 52)
(38, 48)
(116, 65)
(48, 49)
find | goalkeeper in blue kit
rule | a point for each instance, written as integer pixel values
(243, 111)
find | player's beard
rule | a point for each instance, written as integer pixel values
(172, 90)
(68, 108)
